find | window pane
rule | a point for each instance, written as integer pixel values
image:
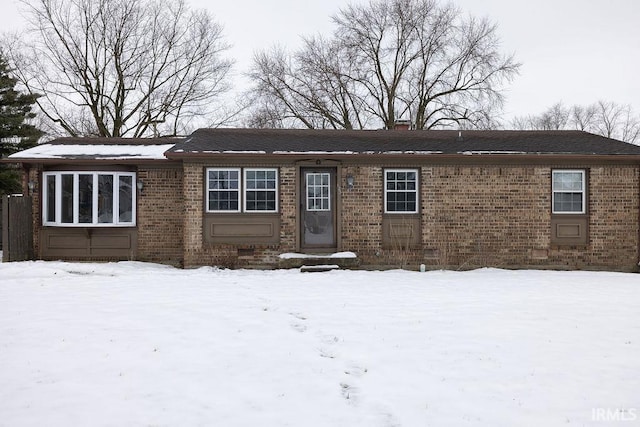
(105, 199)
(224, 194)
(567, 181)
(401, 191)
(85, 198)
(232, 177)
(318, 191)
(261, 200)
(568, 202)
(125, 199)
(260, 190)
(51, 198)
(66, 202)
(568, 191)
(223, 200)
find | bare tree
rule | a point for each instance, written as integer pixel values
(311, 88)
(604, 118)
(555, 117)
(582, 118)
(616, 121)
(122, 67)
(387, 60)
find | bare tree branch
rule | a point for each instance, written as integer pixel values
(386, 60)
(604, 118)
(134, 67)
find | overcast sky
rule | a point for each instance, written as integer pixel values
(574, 51)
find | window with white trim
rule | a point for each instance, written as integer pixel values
(569, 195)
(83, 199)
(401, 190)
(318, 191)
(256, 192)
(260, 190)
(223, 190)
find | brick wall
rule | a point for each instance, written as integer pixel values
(613, 222)
(485, 215)
(197, 252)
(471, 216)
(475, 216)
(361, 222)
(161, 215)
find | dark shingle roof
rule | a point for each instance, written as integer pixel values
(284, 141)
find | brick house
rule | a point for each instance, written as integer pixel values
(243, 197)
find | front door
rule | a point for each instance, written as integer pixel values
(318, 208)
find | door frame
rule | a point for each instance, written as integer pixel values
(301, 168)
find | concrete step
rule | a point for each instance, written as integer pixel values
(340, 259)
(318, 268)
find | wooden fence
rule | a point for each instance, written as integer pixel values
(17, 237)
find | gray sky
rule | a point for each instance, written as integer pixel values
(574, 51)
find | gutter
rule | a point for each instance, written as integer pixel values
(462, 158)
(86, 161)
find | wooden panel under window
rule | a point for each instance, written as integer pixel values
(401, 231)
(87, 243)
(569, 230)
(241, 228)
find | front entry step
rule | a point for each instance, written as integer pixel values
(339, 260)
(318, 268)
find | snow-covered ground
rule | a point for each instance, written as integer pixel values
(133, 344)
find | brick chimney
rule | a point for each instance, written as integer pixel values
(402, 125)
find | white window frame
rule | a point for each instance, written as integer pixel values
(76, 191)
(417, 190)
(242, 190)
(238, 190)
(328, 197)
(245, 189)
(583, 174)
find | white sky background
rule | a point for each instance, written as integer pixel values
(574, 51)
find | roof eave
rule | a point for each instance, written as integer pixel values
(435, 156)
(70, 160)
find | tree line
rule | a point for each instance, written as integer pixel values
(604, 118)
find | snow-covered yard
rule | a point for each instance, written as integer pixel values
(133, 344)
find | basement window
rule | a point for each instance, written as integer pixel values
(83, 199)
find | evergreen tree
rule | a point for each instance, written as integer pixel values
(16, 133)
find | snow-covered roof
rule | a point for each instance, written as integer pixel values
(94, 151)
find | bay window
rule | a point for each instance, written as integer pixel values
(81, 199)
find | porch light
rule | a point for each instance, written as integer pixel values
(350, 182)
(140, 185)
(32, 186)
